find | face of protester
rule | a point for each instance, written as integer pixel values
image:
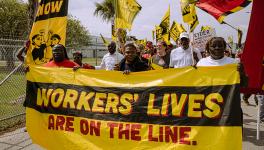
(161, 49)
(217, 49)
(77, 58)
(111, 48)
(58, 53)
(184, 43)
(130, 54)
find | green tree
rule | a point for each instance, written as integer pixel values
(77, 35)
(13, 18)
(106, 10)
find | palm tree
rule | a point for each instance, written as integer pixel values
(106, 10)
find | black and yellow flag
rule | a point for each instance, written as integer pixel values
(189, 14)
(165, 27)
(126, 11)
(176, 30)
(49, 29)
(158, 30)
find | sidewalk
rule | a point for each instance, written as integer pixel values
(20, 140)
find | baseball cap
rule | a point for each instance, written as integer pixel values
(184, 35)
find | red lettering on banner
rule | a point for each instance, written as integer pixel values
(125, 131)
(91, 127)
(184, 135)
(170, 134)
(60, 123)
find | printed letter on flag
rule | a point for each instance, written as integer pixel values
(126, 11)
(49, 29)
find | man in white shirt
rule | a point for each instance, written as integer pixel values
(184, 56)
(111, 58)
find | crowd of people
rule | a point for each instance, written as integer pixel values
(135, 58)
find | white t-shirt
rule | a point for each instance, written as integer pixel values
(181, 58)
(208, 61)
(109, 61)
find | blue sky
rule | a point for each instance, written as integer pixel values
(151, 14)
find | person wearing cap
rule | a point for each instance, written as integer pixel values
(60, 58)
(77, 58)
(111, 58)
(184, 56)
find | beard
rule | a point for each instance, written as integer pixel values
(58, 59)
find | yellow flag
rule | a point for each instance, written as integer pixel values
(104, 40)
(126, 11)
(165, 25)
(204, 28)
(176, 30)
(230, 40)
(143, 42)
(189, 14)
(158, 33)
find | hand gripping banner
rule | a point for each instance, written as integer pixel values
(49, 29)
(184, 109)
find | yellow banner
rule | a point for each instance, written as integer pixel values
(48, 30)
(183, 109)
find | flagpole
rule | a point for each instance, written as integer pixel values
(190, 44)
(230, 25)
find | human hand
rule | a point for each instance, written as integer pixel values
(75, 68)
(126, 72)
(116, 67)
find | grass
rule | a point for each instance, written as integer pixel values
(11, 95)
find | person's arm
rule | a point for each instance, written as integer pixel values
(20, 54)
(243, 75)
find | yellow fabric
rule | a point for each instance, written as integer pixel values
(43, 30)
(77, 133)
(140, 79)
(176, 30)
(230, 138)
(204, 28)
(126, 11)
(189, 14)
